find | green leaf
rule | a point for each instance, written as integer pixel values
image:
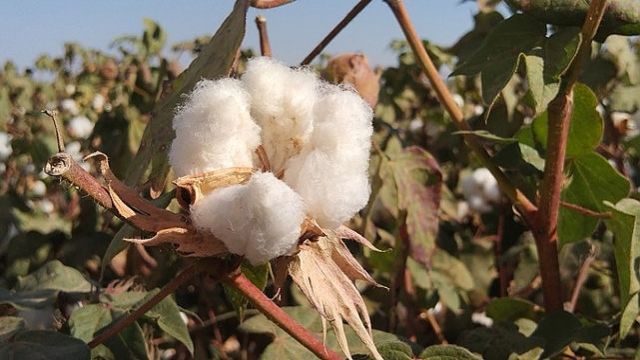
(418, 179)
(258, 276)
(500, 341)
(284, 347)
(28, 299)
(585, 132)
(498, 57)
(9, 325)
(448, 352)
(511, 309)
(621, 17)
(40, 344)
(167, 315)
(153, 37)
(214, 61)
(392, 350)
(629, 315)
(625, 225)
(55, 276)
(545, 66)
(487, 135)
(560, 329)
(84, 322)
(592, 182)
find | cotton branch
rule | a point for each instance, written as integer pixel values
(525, 206)
(560, 110)
(265, 45)
(581, 278)
(129, 319)
(335, 31)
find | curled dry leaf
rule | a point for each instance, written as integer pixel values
(191, 188)
(326, 267)
(169, 228)
(354, 69)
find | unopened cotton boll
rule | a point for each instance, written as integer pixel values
(260, 220)
(80, 127)
(214, 129)
(282, 102)
(331, 175)
(5, 146)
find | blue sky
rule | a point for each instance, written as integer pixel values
(30, 28)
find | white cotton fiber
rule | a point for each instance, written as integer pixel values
(331, 174)
(80, 127)
(214, 129)
(481, 190)
(261, 219)
(282, 102)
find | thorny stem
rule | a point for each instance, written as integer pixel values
(129, 319)
(581, 278)
(278, 316)
(265, 45)
(560, 110)
(53, 115)
(335, 31)
(525, 206)
(268, 4)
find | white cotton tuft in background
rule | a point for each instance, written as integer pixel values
(331, 174)
(481, 190)
(261, 219)
(214, 129)
(5, 146)
(282, 102)
(80, 127)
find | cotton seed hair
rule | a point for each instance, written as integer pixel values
(317, 138)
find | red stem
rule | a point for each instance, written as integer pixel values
(278, 316)
(335, 31)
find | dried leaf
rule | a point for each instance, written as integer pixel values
(191, 188)
(345, 232)
(187, 242)
(316, 273)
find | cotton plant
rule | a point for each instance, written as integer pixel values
(273, 165)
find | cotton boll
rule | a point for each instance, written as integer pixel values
(5, 146)
(459, 100)
(98, 102)
(342, 124)
(38, 188)
(331, 175)
(260, 219)
(478, 203)
(282, 101)
(214, 129)
(69, 106)
(80, 127)
(334, 190)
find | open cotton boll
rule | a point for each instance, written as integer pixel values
(214, 129)
(261, 219)
(80, 127)
(5, 146)
(331, 175)
(342, 123)
(333, 190)
(282, 101)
